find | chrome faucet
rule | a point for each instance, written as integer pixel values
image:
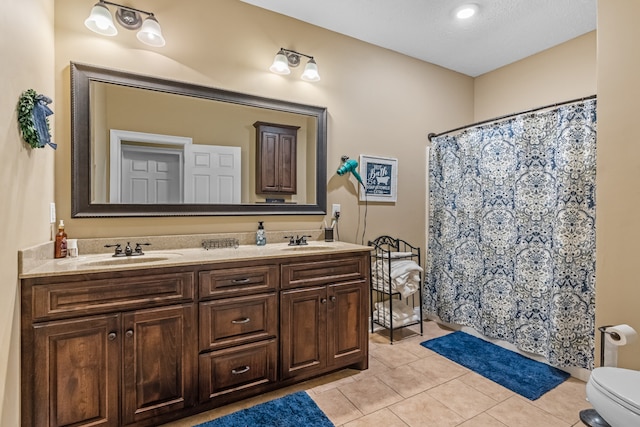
(298, 241)
(127, 250)
(118, 250)
(302, 240)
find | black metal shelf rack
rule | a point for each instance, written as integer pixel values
(385, 252)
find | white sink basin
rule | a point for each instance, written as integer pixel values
(125, 261)
(307, 248)
(108, 260)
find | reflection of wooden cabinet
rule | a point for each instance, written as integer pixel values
(323, 326)
(276, 158)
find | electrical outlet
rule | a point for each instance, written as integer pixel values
(52, 213)
(335, 209)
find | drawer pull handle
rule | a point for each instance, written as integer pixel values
(333, 299)
(323, 301)
(241, 321)
(129, 333)
(111, 336)
(239, 371)
(245, 280)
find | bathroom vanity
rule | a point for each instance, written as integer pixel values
(142, 343)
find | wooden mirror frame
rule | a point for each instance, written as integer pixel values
(81, 206)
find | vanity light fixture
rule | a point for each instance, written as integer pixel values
(101, 22)
(286, 58)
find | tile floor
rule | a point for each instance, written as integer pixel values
(409, 385)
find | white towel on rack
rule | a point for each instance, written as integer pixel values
(400, 312)
(405, 276)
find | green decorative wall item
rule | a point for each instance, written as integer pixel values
(33, 119)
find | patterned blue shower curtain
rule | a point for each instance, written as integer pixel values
(512, 232)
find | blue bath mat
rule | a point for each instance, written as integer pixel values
(293, 410)
(518, 373)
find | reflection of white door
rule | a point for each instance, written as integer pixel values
(211, 174)
(173, 170)
(140, 190)
(150, 175)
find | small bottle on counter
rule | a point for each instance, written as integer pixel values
(61, 242)
(261, 237)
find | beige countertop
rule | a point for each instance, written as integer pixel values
(92, 263)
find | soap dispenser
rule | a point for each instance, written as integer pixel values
(261, 238)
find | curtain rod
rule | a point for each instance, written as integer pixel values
(433, 135)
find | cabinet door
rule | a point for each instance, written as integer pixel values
(160, 356)
(287, 164)
(276, 159)
(76, 367)
(347, 340)
(303, 331)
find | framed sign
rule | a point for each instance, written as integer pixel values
(380, 175)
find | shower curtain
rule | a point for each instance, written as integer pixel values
(512, 232)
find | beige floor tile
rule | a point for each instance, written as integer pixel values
(409, 385)
(482, 420)
(519, 412)
(423, 410)
(383, 417)
(461, 398)
(486, 386)
(406, 381)
(336, 406)
(399, 335)
(370, 394)
(415, 348)
(330, 385)
(438, 369)
(565, 401)
(393, 355)
(375, 367)
(434, 330)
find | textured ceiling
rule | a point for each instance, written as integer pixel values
(503, 31)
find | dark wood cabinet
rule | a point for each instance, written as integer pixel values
(276, 160)
(347, 337)
(323, 327)
(303, 320)
(145, 347)
(78, 366)
(159, 372)
(151, 350)
(238, 331)
(108, 350)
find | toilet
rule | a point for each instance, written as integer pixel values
(615, 394)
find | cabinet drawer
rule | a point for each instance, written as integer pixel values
(236, 281)
(239, 320)
(312, 273)
(56, 300)
(237, 368)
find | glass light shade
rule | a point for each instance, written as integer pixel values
(311, 71)
(101, 21)
(150, 33)
(280, 64)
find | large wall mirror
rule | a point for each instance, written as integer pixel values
(144, 146)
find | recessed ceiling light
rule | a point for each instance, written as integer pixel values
(466, 11)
